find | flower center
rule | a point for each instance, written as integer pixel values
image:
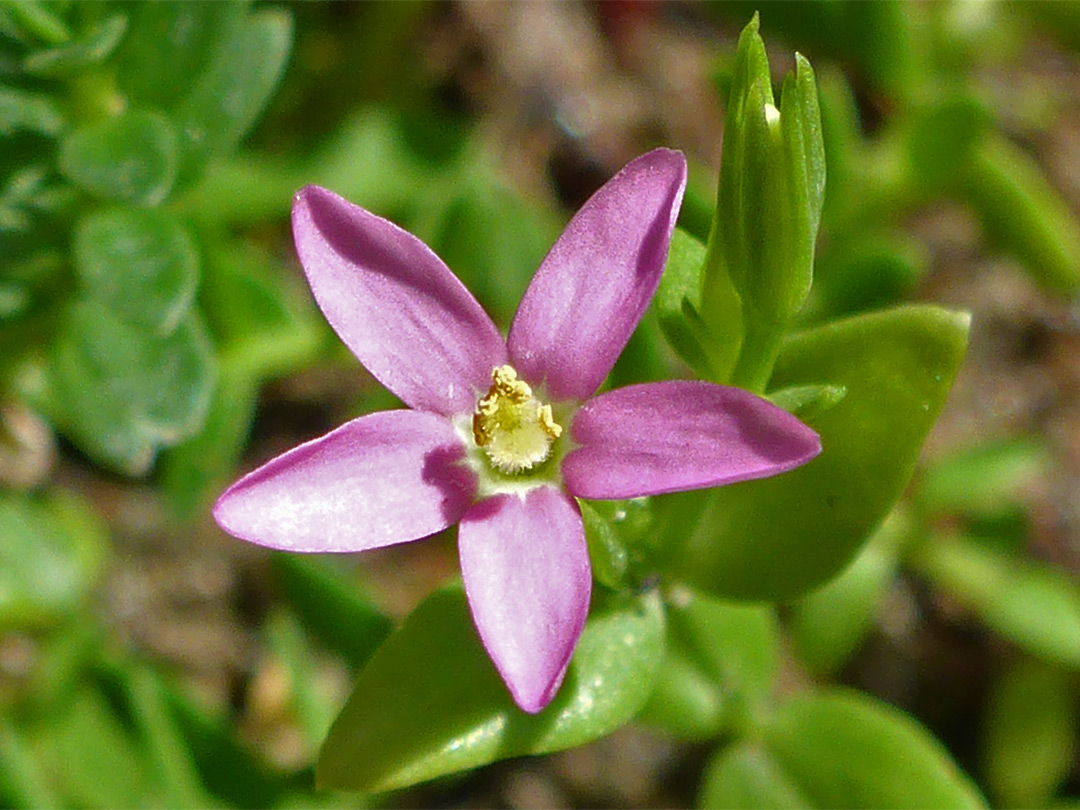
(514, 428)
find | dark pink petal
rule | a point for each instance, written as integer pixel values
(595, 284)
(381, 479)
(526, 572)
(395, 304)
(677, 435)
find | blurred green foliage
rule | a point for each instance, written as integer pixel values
(147, 298)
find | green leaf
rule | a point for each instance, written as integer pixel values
(121, 393)
(26, 111)
(844, 749)
(607, 552)
(1029, 737)
(744, 776)
(92, 757)
(196, 470)
(130, 158)
(806, 401)
(332, 606)
(36, 18)
(829, 624)
(776, 538)
(709, 349)
(493, 242)
(1031, 603)
(865, 271)
(91, 48)
(141, 264)
(161, 739)
(983, 477)
(430, 703)
(52, 552)
(719, 664)
(23, 782)
(265, 330)
(234, 88)
(1023, 213)
(170, 44)
(226, 767)
(941, 137)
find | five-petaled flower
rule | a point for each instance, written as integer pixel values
(503, 434)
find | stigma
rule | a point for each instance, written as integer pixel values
(513, 427)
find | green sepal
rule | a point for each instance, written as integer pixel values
(776, 538)
(772, 185)
(430, 702)
(607, 553)
(806, 401)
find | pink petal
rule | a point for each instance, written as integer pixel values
(395, 304)
(381, 479)
(526, 572)
(595, 284)
(678, 435)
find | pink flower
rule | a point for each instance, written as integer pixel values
(502, 435)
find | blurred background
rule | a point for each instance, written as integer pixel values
(157, 339)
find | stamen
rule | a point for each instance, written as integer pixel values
(513, 427)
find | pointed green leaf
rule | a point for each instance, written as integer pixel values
(332, 606)
(984, 477)
(131, 158)
(25, 111)
(1030, 736)
(776, 538)
(91, 48)
(120, 393)
(744, 776)
(1032, 603)
(607, 552)
(1023, 213)
(141, 264)
(829, 624)
(806, 401)
(719, 663)
(92, 756)
(845, 749)
(430, 703)
(51, 555)
(233, 90)
(169, 44)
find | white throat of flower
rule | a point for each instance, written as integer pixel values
(512, 426)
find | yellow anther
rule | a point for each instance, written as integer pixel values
(514, 428)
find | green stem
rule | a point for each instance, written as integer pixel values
(760, 347)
